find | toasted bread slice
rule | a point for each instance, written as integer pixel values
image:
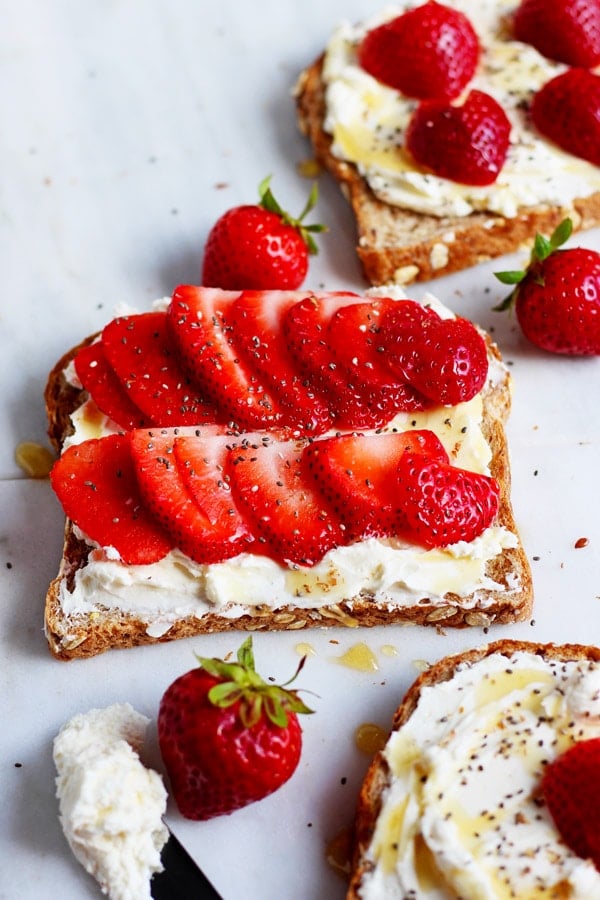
(503, 595)
(370, 844)
(398, 246)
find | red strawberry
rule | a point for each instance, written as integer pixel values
(227, 737)
(306, 327)
(259, 247)
(571, 789)
(199, 326)
(566, 110)
(357, 349)
(442, 503)
(565, 30)
(96, 484)
(430, 52)
(446, 360)
(208, 531)
(255, 320)
(293, 522)
(105, 389)
(140, 351)
(466, 143)
(354, 472)
(557, 298)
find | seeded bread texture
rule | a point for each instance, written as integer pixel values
(378, 775)
(398, 246)
(88, 634)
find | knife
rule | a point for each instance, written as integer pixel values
(181, 878)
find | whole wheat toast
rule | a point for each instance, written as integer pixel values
(379, 776)
(89, 633)
(398, 246)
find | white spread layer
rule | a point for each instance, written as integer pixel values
(393, 573)
(111, 806)
(368, 122)
(462, 815)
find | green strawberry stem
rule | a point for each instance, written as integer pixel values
(268, 202)
(542, 248)
(240, 682)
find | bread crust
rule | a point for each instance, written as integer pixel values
(87, 634)
(398, 246)
(377, 777)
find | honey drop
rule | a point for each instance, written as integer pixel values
(338, 852)
(359, 657)
(369, 738)
(34, 459)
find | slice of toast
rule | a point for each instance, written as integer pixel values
(502, 594)
(377, 832)
(398, 246)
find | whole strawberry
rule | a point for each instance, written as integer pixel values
(427, 52)
(227, 737)
(260, 246)
(571, 789)
(557, 298)
(564, 30)
(466, 143)
(567, 111)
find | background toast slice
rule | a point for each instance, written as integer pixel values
(398, 246)
(86, 634)
(378, 775)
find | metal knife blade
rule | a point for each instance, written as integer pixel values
(182, 878)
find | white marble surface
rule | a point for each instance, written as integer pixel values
(129, 126)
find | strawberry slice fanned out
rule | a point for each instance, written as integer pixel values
(306, 329)
(98, 378)
(354, 337)
(442, 503)
(354, 473)
(255, 319)
(140, 351)
(292, 521)
(198, 320)
(446, 360)
(207, 532)
(96, 484)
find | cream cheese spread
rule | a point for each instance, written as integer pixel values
(368, 121)
(393, 573)
(463, 815)
(110, 804)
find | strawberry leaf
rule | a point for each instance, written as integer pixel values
(268, 202)
(543, 247)
(240, 682)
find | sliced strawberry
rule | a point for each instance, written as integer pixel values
(571, 789)
(105, 389)
(206, 533)
(354, 473)
(140, 351)
(566, 110)
(428, 52)
(255, 319)
(446, 360)
(353, 334)
(199, 325)
(565, 30)
(442, 503)
(465, 142)
(306, 329)
(96, 484)
(292, 521)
